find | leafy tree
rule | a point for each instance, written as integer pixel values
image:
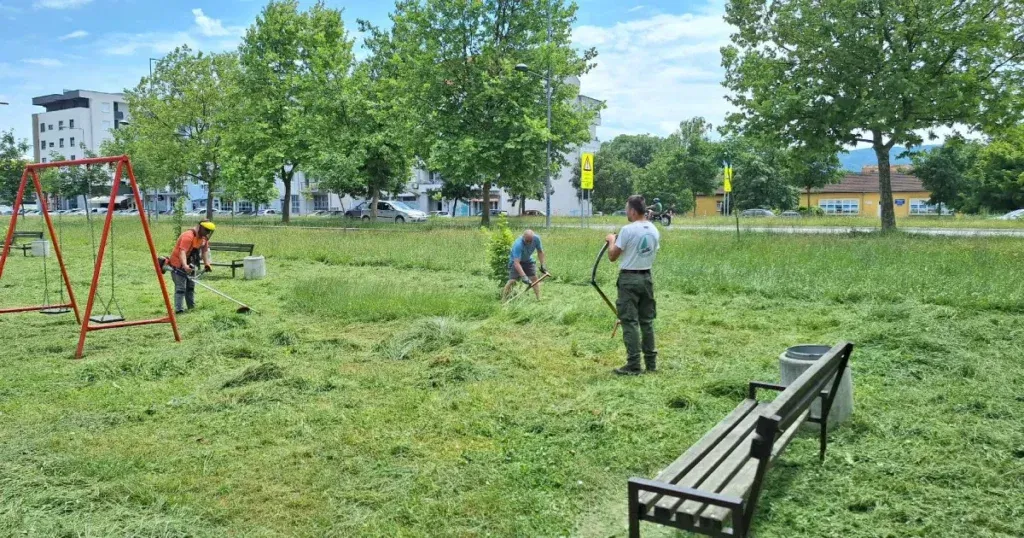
(482, 122)
(944, 172)
(180, 119)
(294, 67)
(12, 165)
(685, 166)
(83, 181)
(810, 170)
(761, 174)
(829, 73)
(638, 150)
(998, 173)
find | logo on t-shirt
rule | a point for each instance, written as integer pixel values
(647, 244)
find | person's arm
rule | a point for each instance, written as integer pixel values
(206, 257)
(519, 268)
(542, 259)
(183, 258)
(613, 249)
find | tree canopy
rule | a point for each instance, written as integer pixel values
(832, 73)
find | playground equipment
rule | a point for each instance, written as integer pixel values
(108, 320)
(63, 305)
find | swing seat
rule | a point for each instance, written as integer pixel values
(106, 318)
(54, 311)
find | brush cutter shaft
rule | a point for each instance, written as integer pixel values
(209, 288)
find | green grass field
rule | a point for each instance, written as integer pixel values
(383, 390)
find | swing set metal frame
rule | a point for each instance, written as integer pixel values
(32, 170)
(123, 169)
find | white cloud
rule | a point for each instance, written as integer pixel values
(61, 4)
(4, 8)
(635, 8)
(207, 26)
(656, 71)
(149, 43)
(43, 62)
(77, 34)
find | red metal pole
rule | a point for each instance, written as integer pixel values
(31, 308)
(56, 242)
(121, 324)
(94, 160)
(152, 250)
(99, 262)
(14, 221)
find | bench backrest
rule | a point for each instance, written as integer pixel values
(798, 396)
(37, 235)
(233, 247)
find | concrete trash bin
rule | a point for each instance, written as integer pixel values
(41, 248)
(796, 359)
(254, 268)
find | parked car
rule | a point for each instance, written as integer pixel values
(791, 214)
(267, 212)
(441, 214)
(4, 210)
(394, 210)
(357, 211)
(1017, 214)
(620, 213)
(757, 213)
(496, 213)
(533, 213)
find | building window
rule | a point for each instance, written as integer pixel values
(72, 157)
(51, 144)
(295, 203)
(840, 207)
(42, 144)
(60, 125)
(43, 160)
(49, 127)
(72, 142)
(61, 142)
(42, 127)
(245, 206)
(106, 125)
(320, 202)
(71, 124)
(105, 107)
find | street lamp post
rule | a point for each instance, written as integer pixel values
(523, 68)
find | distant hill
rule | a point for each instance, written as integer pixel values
(857, 159)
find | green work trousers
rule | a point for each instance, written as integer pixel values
(637, 310)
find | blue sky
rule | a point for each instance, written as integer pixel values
(658, 60)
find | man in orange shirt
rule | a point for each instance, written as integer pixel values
(192, 247)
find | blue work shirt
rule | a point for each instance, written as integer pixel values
(523, 251)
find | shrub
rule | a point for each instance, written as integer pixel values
(499, 247)
(812, 211)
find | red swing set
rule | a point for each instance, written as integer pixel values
(124, 167)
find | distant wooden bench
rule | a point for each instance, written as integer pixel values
(232, 247)
(25, 247)
(719, 479)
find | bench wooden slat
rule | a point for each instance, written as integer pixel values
(722, 462)
(740, 484)
(806, 387)
(698, 451)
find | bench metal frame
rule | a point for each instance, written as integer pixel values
(232, 247)
(25, 247)
(787, 411)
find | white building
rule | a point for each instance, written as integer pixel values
(74, 121)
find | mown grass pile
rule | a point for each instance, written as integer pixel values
(385, 392)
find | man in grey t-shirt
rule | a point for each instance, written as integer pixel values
(636, 248)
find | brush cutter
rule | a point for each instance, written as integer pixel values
(607, 301)
(242, 307)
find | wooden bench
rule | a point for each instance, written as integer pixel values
(25, 247)
(713, 488)
(232, 247)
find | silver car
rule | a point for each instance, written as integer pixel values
(395, 211)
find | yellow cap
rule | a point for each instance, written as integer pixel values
(208, 225)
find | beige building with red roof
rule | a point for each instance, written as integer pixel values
(856, 194)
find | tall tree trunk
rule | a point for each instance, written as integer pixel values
(522, 205)
(808, 198)
(885, 185)
(209, 199)
(286, 207)
(374, 198)
(485, 219)
(455, 205)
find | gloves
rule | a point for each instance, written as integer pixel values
(208, 269)
(543, 269)
(526, 280)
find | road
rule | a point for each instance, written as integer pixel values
(839, 230)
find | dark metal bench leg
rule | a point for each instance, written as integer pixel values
(634, 511)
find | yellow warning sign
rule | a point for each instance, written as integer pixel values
(728, 179)
(587, 172)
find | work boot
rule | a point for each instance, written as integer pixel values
(652, 364)
(628, 369)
